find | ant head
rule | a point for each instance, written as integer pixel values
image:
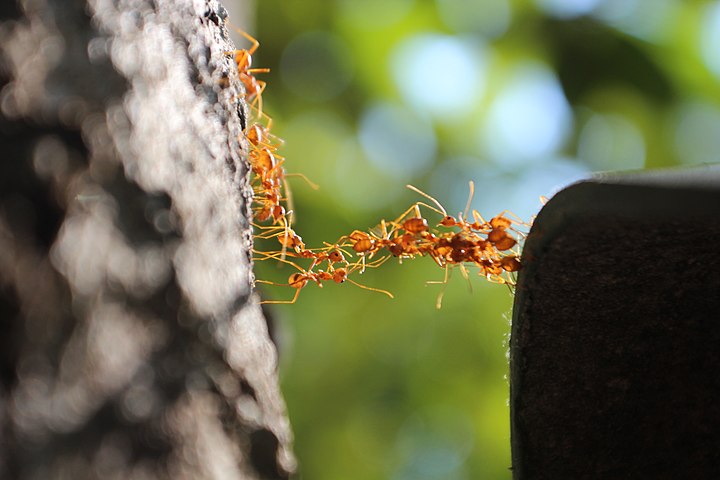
(396, 249)
(298, 280)
(339, 275)
(448, 221)
(336, 256)
(510, 263)
(243, 60)
(278, 212)
(500, 222)
(255, 134)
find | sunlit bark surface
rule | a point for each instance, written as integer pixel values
(130, 344)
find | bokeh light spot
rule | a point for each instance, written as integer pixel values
(487, 17)
(434, 444)
(710, 38)
(322, 145)
(317, 66)
(567, 8)
(440, 75)
(497, 190)
(374, 14)
(396, 140)
(697, 134)
(646, 19)
(611, 142)
(529, 119)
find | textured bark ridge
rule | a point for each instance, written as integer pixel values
(130, 343)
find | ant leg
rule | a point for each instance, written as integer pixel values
(362, 259)
(469, 202)
(365, 287)
(251, 39)
(373, 264)
(513, 218)
(398, 221)
(288, 200)
(466, 275)
(265, 227)
(257, 102)
(337, 246)
(311, 184)
(440, 212)
(441, 209)
(394, 228)
(280, 302)
(479, 219)
(444, 283)
(416, 206)
(286, 235)
(343, 243)
(274, 256)
(248, 37)
(279, 230)
(269, 124)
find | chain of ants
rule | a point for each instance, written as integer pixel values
(455, 241)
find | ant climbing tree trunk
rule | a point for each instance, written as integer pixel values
(130, 343)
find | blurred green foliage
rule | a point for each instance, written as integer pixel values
(520, 96)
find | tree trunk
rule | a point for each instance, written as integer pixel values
(131, 345)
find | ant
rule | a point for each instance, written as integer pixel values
(254, 88)
(496, 229)
(463, 241)
(469, 246)
(270, 173)
(259, 135)
(299, 280)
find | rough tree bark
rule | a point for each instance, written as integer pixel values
(130, 343)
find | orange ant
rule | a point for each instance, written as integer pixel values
(259, 135)
(496, 228)
(365, 243)
(478, 225)
(299, 280)
(491, 246)
(293, 245)
(468, 246)
(271, 179)
(254, 88)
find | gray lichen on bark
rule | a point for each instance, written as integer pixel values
(132, 346)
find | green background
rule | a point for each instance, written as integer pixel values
(521, 97)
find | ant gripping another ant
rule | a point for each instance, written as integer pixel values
(267, 166)
(254, 88)
(271, 194)
(464, 241)
(302, 277)
(489, 246)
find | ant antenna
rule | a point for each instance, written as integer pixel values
(469, 202)
(417, 190)
(370, 288)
